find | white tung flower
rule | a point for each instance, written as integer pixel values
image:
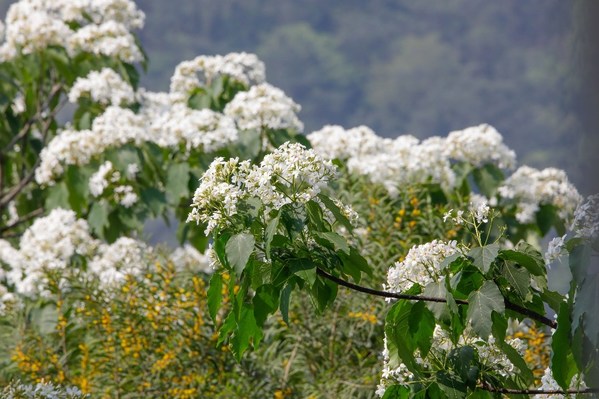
(586, 219)
(105, 87)
(529, 188)
(264, 106)
(187, 257)
(480, 145)
(422, 265)
(126, 256)
(555, 248)
(333, 141)
(110, 38)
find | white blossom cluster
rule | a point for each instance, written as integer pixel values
(106, 177)
(113, 262)
(586, 219)
(478, 210)
(47, 245)
(264, 106)
(422, 265)
(101, 27)
(204, 129)
(405, 160)
(104, 87)
(291, 173)
(480, 145)
(158, 121)
(333, 141)
(529, 188)
(202, 70)
(548, 383)
(489, 355)
(555, 249)
(189, 258)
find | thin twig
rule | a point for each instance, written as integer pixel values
(396, 295)
(539, 391)
(22, 219)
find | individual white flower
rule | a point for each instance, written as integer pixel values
(202, 70)
(529, 188)
(480, 145)
(125, 195)
(422, 265)
(264, 106)
(555, 249)
(479, 207)
(104, 87)
(132, 171)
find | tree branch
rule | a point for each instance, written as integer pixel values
(22, 219)
(396, 295)
(539, 391)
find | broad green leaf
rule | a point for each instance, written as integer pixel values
(177, 183)
(531, 259)
(397, 392)
(519, 279)
(336, 241)
(247, 332)
(579, 258)
(399, 342)
(271, 229)
(339, 216)
(354, 264)
(421, 327)
(284, 301)
(488, 178)
(463, 362)
(58, 196)
(499, 332)
(303, 268)
(437, 289)
(484, 256)
(238, 249)
(214, 294)
(266, 301)
(481, 304)
(154, 199)
(77, 181)
(315, 215)
(98, 217)
(586, 304)
(451, 385)
(561, 347)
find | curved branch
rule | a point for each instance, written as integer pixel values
(396, 295)
(539, 391)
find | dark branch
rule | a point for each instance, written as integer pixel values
(396, 295)
(22, 219)
(539, 391)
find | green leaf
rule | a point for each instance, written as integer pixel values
(339, 216)
(580, 257)
(481, 305)
(399, 342)
(451, 385)
(98, 217)
(525, 255)
(58, 196)
(247, 332)
(215, 295)
(397, 392)
(463, 362)
(421, 326)
(519, 279)
(437, 289)
(266, 301)
(484, 256)
(284, 301)
(488, 178)
(303, 268)
(315, 215)
(271, 229)
(177, 183)
(154, 199)
(335, 240)
(561, 347)
(238, 249)
(355, 264)
(586, 304)
(77, 181)
(499, 331)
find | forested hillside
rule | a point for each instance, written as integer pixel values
(423, 68)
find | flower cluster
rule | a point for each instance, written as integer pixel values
(107, 176)
(291, 173)
(549, 384)
(47, 245)
(529, 188)
(586, 219)
(100, 27)
(489, 355)
(264, 106)
(104, 87)
(41, 390)
(480, 145)
(241, 67)
(422, 265)
(187, 257)
(113, 262)
(333, 141)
